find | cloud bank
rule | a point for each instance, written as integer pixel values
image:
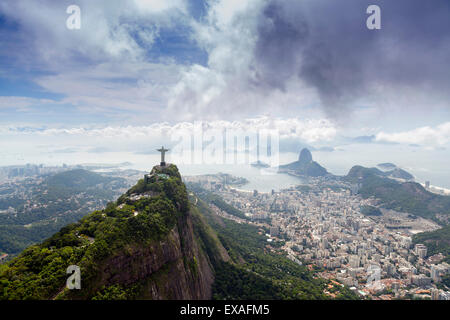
(139, 70)
(425, 136)
(309, 131)
(281, 58)
(317, 52)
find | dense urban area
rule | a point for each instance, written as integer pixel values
(327, 225)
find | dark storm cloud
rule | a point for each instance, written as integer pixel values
(280, 38)
(327, 44)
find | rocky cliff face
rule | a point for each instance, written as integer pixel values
(173, 268)
(150, 244)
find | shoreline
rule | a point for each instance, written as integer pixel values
(437, 190)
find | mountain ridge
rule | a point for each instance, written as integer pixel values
(144, 246)
(50, 204)
(403, 196)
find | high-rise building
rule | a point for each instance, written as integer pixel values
(420, 250)
(435, 294)
(437, 271)
(354, 261)
(274, 231)
(421, 280)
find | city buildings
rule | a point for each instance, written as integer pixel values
(323, 225)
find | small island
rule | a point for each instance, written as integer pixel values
(259, 164)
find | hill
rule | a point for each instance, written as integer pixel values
(391, 170)
(400, 174)
(304, 166)
(408, 197)
(370, 211)
(141, 247)
(76, 179)
(436, 241)
(39, 207)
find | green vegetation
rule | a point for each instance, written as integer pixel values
(303, 188)
(60, 199)
(370, 211)
(311, 169)
(212, 198)
(13, 202)
(39, 272)
(206, 236)
(116, 292)
(229, 179)
(233, 282)
(76, 179)
(436, 241)
(408, 197)
(446, 280)
(305, 165)
(65, 184)
(256, 270)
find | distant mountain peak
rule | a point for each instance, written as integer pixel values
(305, 166)
(305, 156)
(388, 170)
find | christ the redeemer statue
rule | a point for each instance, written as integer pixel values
(163, 153)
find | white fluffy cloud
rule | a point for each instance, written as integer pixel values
(426, 136)
(229, 86)
(157, 6)
(309, 131)
(107, 143)
(104, 67)
(110, 29)
(139, 88)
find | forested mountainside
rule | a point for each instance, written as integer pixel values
(408, 197)
(156, 243)
(142, 246)
(34, 208)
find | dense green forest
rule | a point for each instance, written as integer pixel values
(436, 241)
(216, 200)
(408, 197)
(60, 199)
(39, 272)
(370, 211)
(11, 201)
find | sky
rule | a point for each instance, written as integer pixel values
(139, 70)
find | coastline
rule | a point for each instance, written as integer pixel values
(436, 189)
